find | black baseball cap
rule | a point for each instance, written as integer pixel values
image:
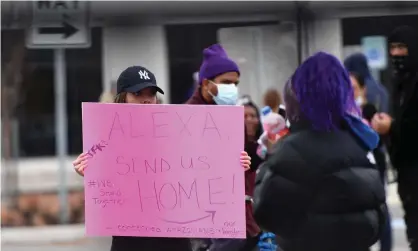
(135, 79)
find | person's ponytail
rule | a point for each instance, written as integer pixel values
(120, 98)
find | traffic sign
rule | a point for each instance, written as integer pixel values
(59, 24)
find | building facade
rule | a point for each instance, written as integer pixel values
(267, 39)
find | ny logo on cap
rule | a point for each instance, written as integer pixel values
(143, 74)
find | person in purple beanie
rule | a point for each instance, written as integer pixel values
(218, 81)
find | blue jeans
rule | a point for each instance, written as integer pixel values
(385, 241)
(386, 237)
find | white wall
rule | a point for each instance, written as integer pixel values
(266, 55)
(325, 35)
(351, 49)
(42, 174)
(135, 45)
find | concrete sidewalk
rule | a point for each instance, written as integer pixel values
(47, 234)
(91, 244)
(75, 233)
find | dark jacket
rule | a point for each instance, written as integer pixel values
(251, 148)
(403, 135)
(319, 191)
(197, 99)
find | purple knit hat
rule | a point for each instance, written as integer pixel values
(215, 63)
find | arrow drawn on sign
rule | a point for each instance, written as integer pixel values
(67, 30)
(210, 214)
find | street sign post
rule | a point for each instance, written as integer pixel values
(61, 129)
(59, 24)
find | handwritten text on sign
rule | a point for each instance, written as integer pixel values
(164, 170)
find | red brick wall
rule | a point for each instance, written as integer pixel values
(42, 209)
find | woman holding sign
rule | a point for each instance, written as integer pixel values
(137, 85)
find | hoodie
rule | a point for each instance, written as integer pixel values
(403, 132)
(409, 37)
(377, 94)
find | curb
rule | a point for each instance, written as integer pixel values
(47, 234)
(73, 233)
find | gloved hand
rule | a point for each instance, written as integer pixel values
(267, 242)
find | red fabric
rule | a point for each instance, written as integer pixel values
(249, 182)
(251, 148)
(284, 132)
(252, 228)
(197, 99)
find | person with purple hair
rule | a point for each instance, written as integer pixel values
(320, 189)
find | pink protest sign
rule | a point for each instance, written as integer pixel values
(164, 170)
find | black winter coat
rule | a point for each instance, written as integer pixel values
(404, 130)
(403, 134)
(318, 191)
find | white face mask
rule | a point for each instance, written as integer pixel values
(359, 101)
(227, 94)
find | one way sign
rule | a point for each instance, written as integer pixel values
(59, 24)
(66, 30)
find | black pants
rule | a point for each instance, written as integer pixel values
(248, 244)
(251, 243)
(408, 192)
(125, 243)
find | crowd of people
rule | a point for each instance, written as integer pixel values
(321, 187)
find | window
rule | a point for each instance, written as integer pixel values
(185, 45)
(30, 96)
(84, 84)
(34, 102)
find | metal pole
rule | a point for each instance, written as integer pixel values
(299, 33)
(61, 128)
